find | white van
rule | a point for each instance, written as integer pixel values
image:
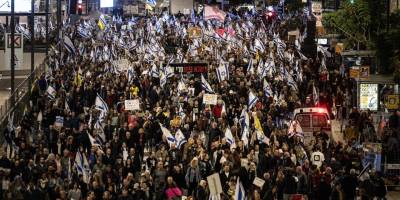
(313, 119)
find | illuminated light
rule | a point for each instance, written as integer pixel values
(329, 122)
(269, 14)
(321, 110)
(80, 6)
(270, 8)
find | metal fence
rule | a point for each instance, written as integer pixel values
(17, 102)
(391, 170)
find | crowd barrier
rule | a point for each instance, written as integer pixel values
(391, 170)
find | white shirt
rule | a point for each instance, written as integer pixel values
(317, 158)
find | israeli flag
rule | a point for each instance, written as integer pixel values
(295, 129)
(101, 105)
(252, 100)
(167, 134)
(69, 45)
(267, 89)
(94, 142)
(229, 138)
(180, 139)
(51, 92)
(82, 166)
(239, 191)
(181, 114)
(250, 68)
(259, 45)
(205, 85)
(261, 69)
(163, 79)
(154, 71)
(131, 75)
(223, 72)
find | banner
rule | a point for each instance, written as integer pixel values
(132, 104)
(258, 182)
(210, 99)
(369, 96)
(372, 154)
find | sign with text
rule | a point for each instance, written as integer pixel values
(392, 102)
(18, 49)
(214, 184)
(258, 182)
(132, 104)
(369, 96)
(210, 99)
(189, 68)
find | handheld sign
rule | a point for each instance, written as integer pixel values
(214, 184)
(132, 104)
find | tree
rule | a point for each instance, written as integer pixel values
(363, 23)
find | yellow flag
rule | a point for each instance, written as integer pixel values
(102, 22)
(78, 79)
(257, 124)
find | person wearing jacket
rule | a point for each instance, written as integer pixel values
(201, 193)
(192, 176)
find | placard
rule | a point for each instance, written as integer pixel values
(59, 121)
(392, 102)
(258, 182)
(132, 104)
(194, 32)
(214, 184)
(316, 7)
(210, 99)
(369, 96)
(354, 72)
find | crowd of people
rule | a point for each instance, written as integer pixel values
(77, 139)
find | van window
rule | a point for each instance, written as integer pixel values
(319, 120)
(304, 120)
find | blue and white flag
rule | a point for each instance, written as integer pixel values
(205, 85)
(163, 79)
(250, 68)
(267, 89)
(181, 113)
(295, 129)
(252, 100)
(82, 166)
(223, 71)
(261, 69)
(101, 105)
(69, 45)
(239, 191)
(259, 45)
(154, 71)
(229, 138)
(180, 139)
(168, 136)
(244, 119)
(51, 92)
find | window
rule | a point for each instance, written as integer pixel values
(319, 121)
(304, 120)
